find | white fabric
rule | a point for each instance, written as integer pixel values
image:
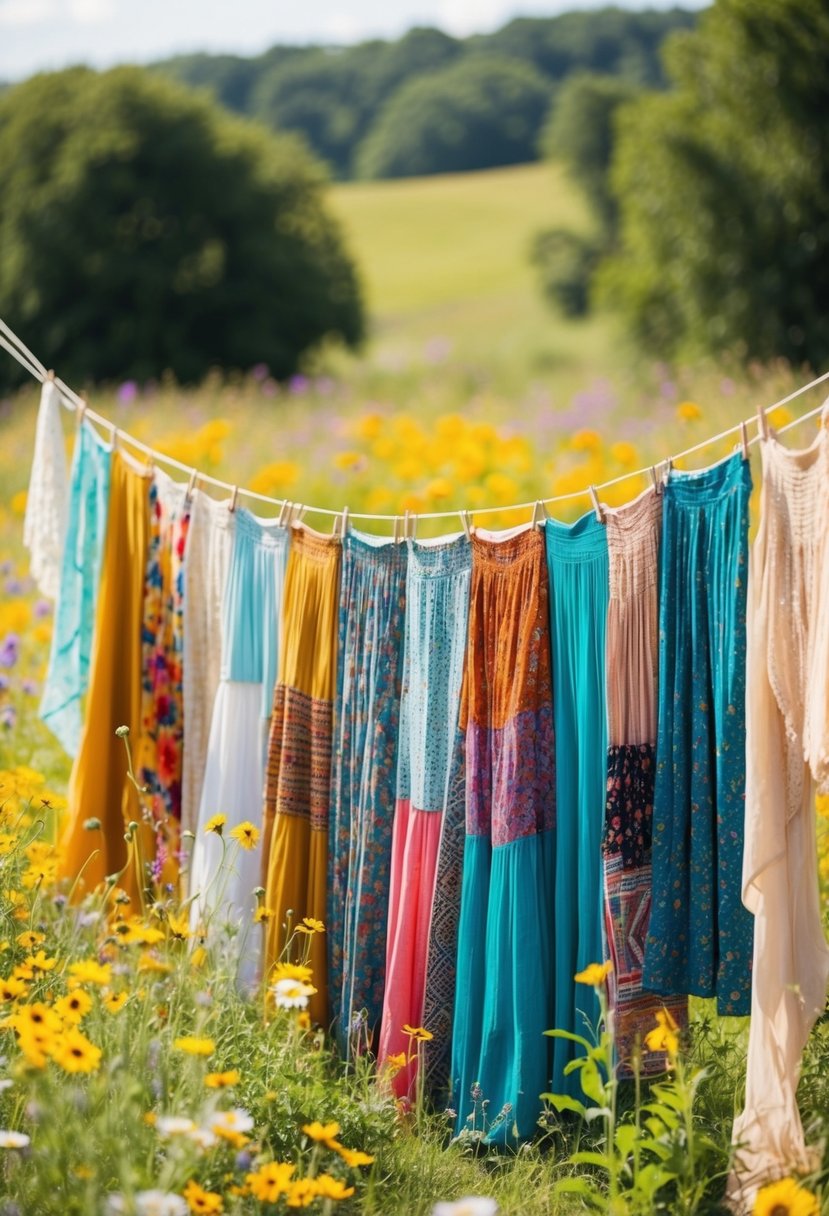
(209, 545)
(780, 878)
(233, 782)
(47, 504)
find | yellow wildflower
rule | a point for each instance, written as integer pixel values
(586, 441)
(262, 914)
(332, 1188)
(11, 989)
(7, 843)
(195, 1046)
(354, 1157)
(369, 426)
(216, 824)
(663, 1037)
(198, 957)
(30, 938)
(302, 1193)
(18, 502)
(35, 1046)
(349, 461)
(688, 411)
(44, 872)
(290, 971)
(595, 974)
(418, 1033)
(221, 1080)
(74, 1006)
(151, 962)
(310, 925)
(396, 1062)
(321, 1132)
(200, 1200)
(74, 1053)
(785, 1198)
(88, 971)
(40, 962)
(270, 1181)
(114, 1002)
(178, 927)
(624, 453)
(247, 834)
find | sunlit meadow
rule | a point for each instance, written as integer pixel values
(134, 1077)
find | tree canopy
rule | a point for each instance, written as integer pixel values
(142, 229)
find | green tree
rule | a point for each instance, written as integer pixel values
(476, 113)
(723, 187)
(142, 229)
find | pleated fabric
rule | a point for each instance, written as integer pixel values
(235, 771)
(780, 866)
(364, 777)
(700, 935)
(577, 563)
(158, 757)
(632, 653)
(67, 677)
(298, 777)
(437, 604)
(209, 546)
(44, 523)
(503, 1000)
(99, 787)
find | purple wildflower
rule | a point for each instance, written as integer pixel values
(127, 392)
(29, 687)
(13, 586)
(41, 609)
(260, 372)
(298, 385)
(9, 650)
(8, 716)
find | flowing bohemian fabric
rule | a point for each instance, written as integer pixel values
(159, 754)
(504, 992)
(632, 651)
(99, 787)
(700, 935)
(67, 677)
(364, 776)
(298, 779)
(44, 524)
(437, 603)
(780, 883)
(577, 562)
(209, 546)
(235, 771)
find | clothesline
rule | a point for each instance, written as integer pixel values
(77, 404)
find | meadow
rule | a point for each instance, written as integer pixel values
(133, 1076)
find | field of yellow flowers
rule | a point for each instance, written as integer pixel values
(134, 1077)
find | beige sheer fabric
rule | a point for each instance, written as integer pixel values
(47, 503)
(632, 624)
(780, 883)
(209, 544)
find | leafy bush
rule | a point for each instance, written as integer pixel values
(565, 263)
(142, 229)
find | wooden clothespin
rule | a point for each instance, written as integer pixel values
(406, 523)
(297, 512)
(763, 422)
(396, 534)
(50, 375)
(597, 506)
(655, 477)
(344, 523)
(81, 408)
(191, 485)
(467, 524)
(744, 441)
(233, 498)
(413, 524)
(538, 513)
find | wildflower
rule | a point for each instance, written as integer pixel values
(216, 824)
(396, 1062)
(150, 962)
(292, 994)
(195, 1046)
(332, 1188)
(29, 939)
(270, 1181)
(11, 989)
(36, 1016)
(354, 1157)
(418, 1033)
(88, 971)
(471, 1205)
(321, 1132)
(13, 1139)
(198, 957)
(247, 834)
(624, 453)
(688, 411)
(586, 441)
(310, 925)
(291, 971)
(35, 1046)
(74, 1053)
(114, 1002)
(664, 1035)
(178, 927)
(200, 1200)
(303, 1020)
(39, 962)
(349, 461)
(262, 915)
(594, 974)
(302, 1193)
(168, 1126)
(221, 1080)
(147, 1203)
(74, 1006)
(785, 1198)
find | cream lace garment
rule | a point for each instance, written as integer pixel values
(47, 503)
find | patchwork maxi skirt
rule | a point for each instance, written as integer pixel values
(298, 778)
(364, 780)
(577, 563)
(700, 936)
(235, 772)
(633, 533)
(437, 602)
(503, 999)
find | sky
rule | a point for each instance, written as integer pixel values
(38, 35)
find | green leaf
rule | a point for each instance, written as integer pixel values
(580, 1186)
(565, 1102)
(584, 1157)
(626, 1136)
(572, 1038)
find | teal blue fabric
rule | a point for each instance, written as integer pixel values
(700, 937)
(577, 564)
(67, 675)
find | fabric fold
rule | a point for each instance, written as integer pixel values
(44, 524)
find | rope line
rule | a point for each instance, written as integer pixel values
(74, 402)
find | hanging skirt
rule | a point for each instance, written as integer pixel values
(298, 779)
(364, 778)
(632, 623)
(700, 935)
(158, 756)
(503, 991)
(99, 787)
(235, 771)
(437, 600)
(67, 678)
(577, 561)
(209, 545)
